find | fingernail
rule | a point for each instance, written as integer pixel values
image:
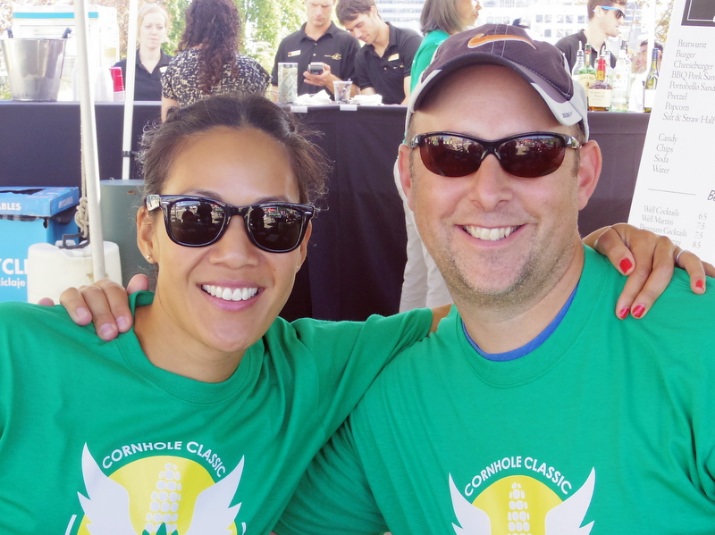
(700, 284)
(638, 311)
(623, 313)
(625, 265)
(107, 332)
(123, 323)
(83, 315)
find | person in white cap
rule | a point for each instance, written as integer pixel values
(532, 409)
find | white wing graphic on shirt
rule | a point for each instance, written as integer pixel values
(212, 513)
(107, 503)
(567, 517)
(564, 519)
(472, 519)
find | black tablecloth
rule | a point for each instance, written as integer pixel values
(357, 251)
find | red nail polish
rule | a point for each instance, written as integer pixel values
(625, 265)
(623, 313)
(638, 311)
(700, 284)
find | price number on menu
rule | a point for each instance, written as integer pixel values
(700, 228)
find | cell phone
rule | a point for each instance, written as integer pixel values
(315, 68)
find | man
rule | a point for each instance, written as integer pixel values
(383, 64)
(318, 41)
(605, 17)
(532, 409)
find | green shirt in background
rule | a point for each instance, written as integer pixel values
(424, 54)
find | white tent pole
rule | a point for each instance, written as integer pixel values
(129, 90)
(88, 135)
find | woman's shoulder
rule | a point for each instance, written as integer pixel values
(17, 318)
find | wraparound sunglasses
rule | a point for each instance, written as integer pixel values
(619, 12)
(528, 155)
(192, 221)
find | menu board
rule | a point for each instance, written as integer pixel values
(675, 189)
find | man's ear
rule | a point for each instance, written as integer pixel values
(589, 170)
(405, 170)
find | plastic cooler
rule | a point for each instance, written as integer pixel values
(30, 215)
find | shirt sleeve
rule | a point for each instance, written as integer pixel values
(351, 50)
(348, 356)
(361, 79)
(334, 495)
(412, 44)
(421, 61)
(167, 82)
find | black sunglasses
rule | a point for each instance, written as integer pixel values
(529, 155)
(275, 227)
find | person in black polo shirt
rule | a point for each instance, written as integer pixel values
(319, 40)
(383, 65)
(152, 29)
(605, 17)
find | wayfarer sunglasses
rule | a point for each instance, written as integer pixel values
(529, 155)
(275, 227)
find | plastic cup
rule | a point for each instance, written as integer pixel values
(287, 82)
(341, 91)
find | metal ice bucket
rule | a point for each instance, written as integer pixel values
(34, 67)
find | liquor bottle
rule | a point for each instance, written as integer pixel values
(588, 73)
(621, 80)
(600, 92)
(578, 67)
(651, 83)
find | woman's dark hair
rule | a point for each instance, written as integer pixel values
(213, 25)
(161, 144)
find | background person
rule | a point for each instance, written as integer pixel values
(531, 408)
(208, 62)
(211, 397)
(152, 30)
(319, 40)
(605, 17)
(423, 284)
(383, 64)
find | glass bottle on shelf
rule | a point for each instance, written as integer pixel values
(651, 83)
(621, 80)
(600, 92)
(588, 73)
(576, 72)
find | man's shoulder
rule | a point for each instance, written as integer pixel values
(571, 40)
(405, 37)
(293, 37)
(341, 35)
(599, 278)
(404, 33)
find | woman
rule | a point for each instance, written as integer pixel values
(151, 62)
(204, 416)
(440, 19)
(208, 62)
(212, 406)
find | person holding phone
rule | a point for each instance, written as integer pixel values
(318, 42)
